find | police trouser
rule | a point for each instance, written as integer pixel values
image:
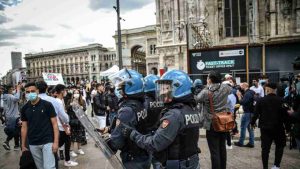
(135, 162)
(267, 137)
(190, 163)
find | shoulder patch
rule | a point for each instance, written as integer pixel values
(165, 124)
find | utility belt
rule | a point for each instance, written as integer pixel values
(183, 163)
(129, 156)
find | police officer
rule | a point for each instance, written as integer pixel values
(153, 109)
(176, 140)
(197, 86)
(129, 89)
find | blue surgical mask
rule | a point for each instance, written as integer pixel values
(31, 96)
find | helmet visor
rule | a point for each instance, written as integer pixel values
(164, 91)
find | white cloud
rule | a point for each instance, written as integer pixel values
(58, 24)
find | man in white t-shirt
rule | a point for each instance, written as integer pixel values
(257, 88)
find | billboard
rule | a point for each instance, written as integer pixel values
(53, 79)
(222, 60)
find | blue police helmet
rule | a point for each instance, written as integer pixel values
(130, 80)
(181, 83)
(197, 82)
(149, 83)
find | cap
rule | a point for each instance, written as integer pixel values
(272, 85)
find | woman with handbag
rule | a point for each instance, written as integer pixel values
(214, 97)
(77, 129)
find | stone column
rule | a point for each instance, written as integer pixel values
(298, 16)
(273, 13)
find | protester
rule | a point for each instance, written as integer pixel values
(39, 124)
(77, 130)
(2, 115)
(272, 123)
(216, 140)
(231, 102)
(64, 128)
(99, 106)
(247, 102)
(257, 88)
(112, 101)
(11, 109)
(93, 94)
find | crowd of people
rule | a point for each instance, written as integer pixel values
(151, 120)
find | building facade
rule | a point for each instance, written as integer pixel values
(75, 64)
(184, 28)
(139, 48)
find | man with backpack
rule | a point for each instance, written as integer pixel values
(247, 101)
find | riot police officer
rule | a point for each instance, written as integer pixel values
(176, 140)
(129, 89)
(153, 109)
(197, 86)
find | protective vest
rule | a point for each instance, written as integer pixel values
(186, 142)
(138, 109)
(153, 110)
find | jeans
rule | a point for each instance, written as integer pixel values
(217, 147)
(267, 138)
(245, 124)
(191, 163)
(43, 156)
(138, 162)
(111, 117)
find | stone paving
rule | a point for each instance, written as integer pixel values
(237, 158)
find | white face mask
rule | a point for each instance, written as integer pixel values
(76, 96)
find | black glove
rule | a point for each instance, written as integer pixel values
(126, 131)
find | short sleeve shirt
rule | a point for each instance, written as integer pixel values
(38, 117)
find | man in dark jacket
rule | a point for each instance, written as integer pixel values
(112, 101)
(247, 102)
(99, 106)
(272, 123)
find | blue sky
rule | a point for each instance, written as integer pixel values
(34, 25)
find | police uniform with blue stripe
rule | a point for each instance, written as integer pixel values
(129, 89)
(175, 142)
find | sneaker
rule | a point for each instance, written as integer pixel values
(275, 167)
(73, 154)
(16, 148)
(6, 145)
(238, 144)
(80, 152)
(70, 163)
(249, 145)
(229, 147)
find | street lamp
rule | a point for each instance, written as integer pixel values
(117, 8)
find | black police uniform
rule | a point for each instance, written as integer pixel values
(176, 140)
(131, 113)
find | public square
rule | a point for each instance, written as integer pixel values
(238, 158)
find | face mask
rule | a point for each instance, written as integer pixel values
(70, 91)
(31, 96)
(76, 96)
(14, 92)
